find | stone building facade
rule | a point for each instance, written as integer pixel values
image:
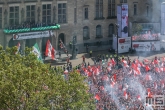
(92, 22)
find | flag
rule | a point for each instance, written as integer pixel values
(18, 47)
(125, 94)
(50, 51)
(36, 51)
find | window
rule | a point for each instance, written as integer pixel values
(62, 13)
(0, 17)
(111, 8)
(14, 15)
(99, 8)
(135, 9)
(46, 13)
(123, 1)
(147, 10)
(111, 30)
(98, 31)
(86, 13)
(75, 15)
(30, 13)
(86, 32)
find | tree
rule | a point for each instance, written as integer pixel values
(28, 84)
(137, 28)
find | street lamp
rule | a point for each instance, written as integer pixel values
(117, 27)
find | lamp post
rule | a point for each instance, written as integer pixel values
(117, 27)
(74, 48)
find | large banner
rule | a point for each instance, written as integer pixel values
(122, 19)
(146, 46)
(163, 18)
(31, 35)
(124, 44)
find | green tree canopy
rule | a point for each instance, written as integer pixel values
(28, 84)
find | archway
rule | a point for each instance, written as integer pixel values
(30, 43)
(62, 37)
(13, 43)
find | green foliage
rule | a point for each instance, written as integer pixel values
(28, 84)
(137, 28)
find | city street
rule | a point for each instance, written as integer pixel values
(78, 60)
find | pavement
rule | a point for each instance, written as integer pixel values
(62, 61)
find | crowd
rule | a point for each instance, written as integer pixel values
(122, 87)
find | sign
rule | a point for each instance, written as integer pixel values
(124, 44)
(31, 35)
(122, 19)
(146, 46)
(157, 101)
(163, 18)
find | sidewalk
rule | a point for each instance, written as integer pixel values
(62, 61)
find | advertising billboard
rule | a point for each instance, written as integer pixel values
(146, 46)
(31, 35)
(124, 44)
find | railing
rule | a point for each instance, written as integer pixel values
(30, 27)
(13, 1)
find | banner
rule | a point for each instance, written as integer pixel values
(122, 20)
(163, 18)
(124, 44)
(146, 46)
(31, 35)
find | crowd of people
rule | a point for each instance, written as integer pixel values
(126, 86)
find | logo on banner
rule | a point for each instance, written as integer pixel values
(15, 36)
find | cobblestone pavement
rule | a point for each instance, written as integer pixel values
(62, 61)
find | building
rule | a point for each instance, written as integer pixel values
(92, 22)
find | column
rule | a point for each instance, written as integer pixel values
(39, 42)
(23, 44)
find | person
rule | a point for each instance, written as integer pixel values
(83, 57)
(107, 57)
(70, 44)
(88, 64)
(59, 54)
(67, 53)
(67, 60)
(90, 53)
(87, 48)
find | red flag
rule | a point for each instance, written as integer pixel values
(138, 97)
(97, 97)
(149, 92)
(18, 47)
(157, 69)
(125, 95)
(114, 77)
(147, 68)
(50, 51)
(155, 85)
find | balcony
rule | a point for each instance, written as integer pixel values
(26, 1)
(13, 1)
(30, 28)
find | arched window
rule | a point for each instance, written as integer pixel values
(111, 30)
(99, 8)
(86, 32)
(98, 31)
